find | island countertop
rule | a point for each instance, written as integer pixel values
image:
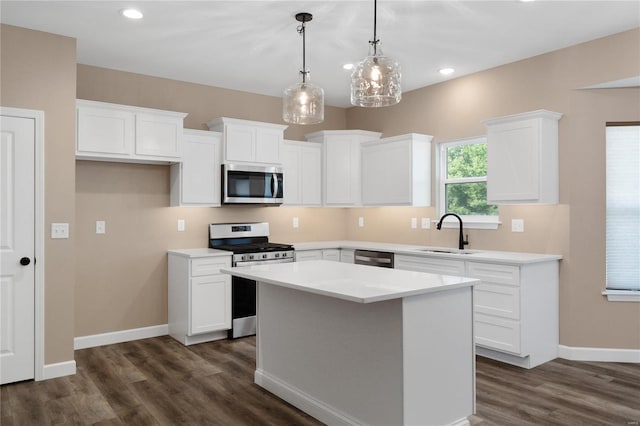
(355, 283)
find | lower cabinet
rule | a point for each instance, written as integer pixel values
(347, 256)
(515, 306)
(320, 254)
(199, 298)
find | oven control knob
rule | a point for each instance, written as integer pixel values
(277, 254)
(251, 257)
(264, 256)
(284, 254)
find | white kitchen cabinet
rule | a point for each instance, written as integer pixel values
(516, 312)
(110, 132)
(397, 171)
(341, 165)
(430, 264)
(522, 158)
(515, 306)
(319, 254)
(302, 163)
(347, 256)
(196, 180)
(249, 141)
(199, 301)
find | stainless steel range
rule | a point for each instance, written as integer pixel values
(250, 245)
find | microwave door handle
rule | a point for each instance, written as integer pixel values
(274, 185)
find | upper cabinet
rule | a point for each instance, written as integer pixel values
(302, 162)
(396, 171)
(110, 132)
(341, 172)
(522, 158)
(196, 180)
(249, 141)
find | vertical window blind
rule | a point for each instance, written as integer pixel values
(623, 207)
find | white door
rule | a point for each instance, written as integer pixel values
(17, 249)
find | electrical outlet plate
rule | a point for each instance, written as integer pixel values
(425, 224)
(101, 227)
(361, 221)
(59, 230)
(296, 222)
(414, 222)
(181, 225)
(517, 225)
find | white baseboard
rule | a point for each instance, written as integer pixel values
(59, 369)
(94, 340)
(599, 354)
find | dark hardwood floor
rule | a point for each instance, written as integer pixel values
(159, 381)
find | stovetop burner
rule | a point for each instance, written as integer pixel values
(249, 242)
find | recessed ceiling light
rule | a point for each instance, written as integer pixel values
(348, 66)
(447, 71)
(131, 13)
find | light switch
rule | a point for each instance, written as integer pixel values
(361, 221)
(517, 225)
(414, 223)
(296, 222)
(59, 230)
(101, 227)
(181, 225)
(425, 224)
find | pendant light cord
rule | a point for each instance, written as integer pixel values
(301, 30)
(375, 40)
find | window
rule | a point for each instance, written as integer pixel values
(462, 185)
(623, 212)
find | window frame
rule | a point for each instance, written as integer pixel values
(470, 221)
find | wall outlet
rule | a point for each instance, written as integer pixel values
(101, 227)
(361, 222)
(517, 225)
(414, 222)
(425, 223)
(296, 222)
(181, 225)
(59, 230)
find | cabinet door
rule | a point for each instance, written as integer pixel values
(239, 142)
(200, 168)
(387, 174)
(305, 255)
(513, 161)
(267, 145)
(430, 265)
(311, 175)
(346, 256)
(210, 303)
(497, 333)
(158, 136)
(104, 131)
(342, 172)
(291, 161)
(331, 254)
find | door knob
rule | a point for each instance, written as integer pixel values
(25, 261)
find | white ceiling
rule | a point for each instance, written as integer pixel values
(253, 45)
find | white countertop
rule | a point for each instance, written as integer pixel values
(411, 250)
(355, 283)
(200, 252)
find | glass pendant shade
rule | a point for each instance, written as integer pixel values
(303, 103)
(375, 81)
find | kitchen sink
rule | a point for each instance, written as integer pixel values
(446, 251)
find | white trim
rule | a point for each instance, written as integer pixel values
(39, 228)
(472, 222)
(622, 295)
(121, 336)
(59, 369)
(599, 354)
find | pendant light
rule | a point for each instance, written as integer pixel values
(375, 81)
(303, 103)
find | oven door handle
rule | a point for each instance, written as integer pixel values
(263, 262)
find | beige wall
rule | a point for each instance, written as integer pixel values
(121, 277)
(39, 72)
(575, 228)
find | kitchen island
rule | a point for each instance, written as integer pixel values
(352, 344)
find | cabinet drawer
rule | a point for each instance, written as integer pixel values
(503, 274)
(430, 265)
(331, 254)
(209, 265)
(497, 333)
(497, 299)
(302, 256)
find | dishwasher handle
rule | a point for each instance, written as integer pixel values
(373, 258)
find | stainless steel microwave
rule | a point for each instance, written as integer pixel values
(252, 184)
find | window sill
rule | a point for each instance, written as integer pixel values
(622, 295)
(472, 222)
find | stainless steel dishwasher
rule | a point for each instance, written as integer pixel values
(382, 259)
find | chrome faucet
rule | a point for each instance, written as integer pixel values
(461, 242)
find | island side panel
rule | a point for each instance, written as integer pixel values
(339, 361)
(439, 358)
